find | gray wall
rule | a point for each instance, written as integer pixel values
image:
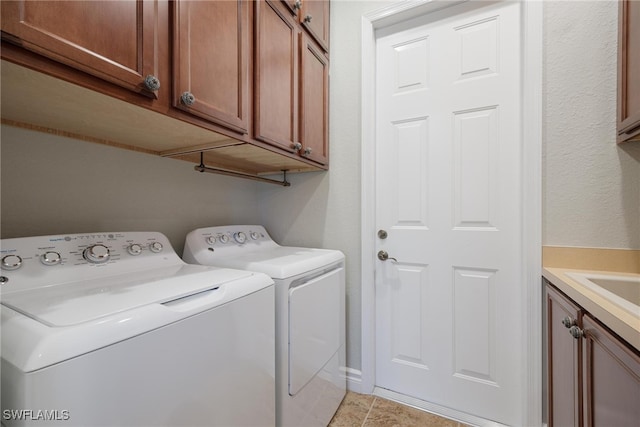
(591, 191)
(591, 188)
(56, 185)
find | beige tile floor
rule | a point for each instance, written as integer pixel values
(362, 410)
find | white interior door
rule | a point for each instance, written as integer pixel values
(448, 193)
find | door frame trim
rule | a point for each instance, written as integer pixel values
(531, 169)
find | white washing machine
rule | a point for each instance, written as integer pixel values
(310, 315)
(114, 329)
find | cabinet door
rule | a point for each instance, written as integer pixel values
(114, 40)
(276, 74)
(628, 71)
(211, 61)
(564, 355)
(612, 378)
(314, 101)
(315, 19)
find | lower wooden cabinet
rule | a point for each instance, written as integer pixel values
(593, 375)
(612, 378)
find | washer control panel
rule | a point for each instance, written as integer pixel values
(74, 256)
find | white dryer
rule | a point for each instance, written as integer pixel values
(310, 315)
(115, 329)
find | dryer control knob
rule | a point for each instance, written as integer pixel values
(240, 237)
(134, 249)
(156, 247)
(211, 240)
(254, 235)
(11, 262)
(51, 258)
(223, 238)
(97, 254)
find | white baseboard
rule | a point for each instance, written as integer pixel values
(354, 381)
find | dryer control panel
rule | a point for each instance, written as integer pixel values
(226, 241)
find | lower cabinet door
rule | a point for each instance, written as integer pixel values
(564, 361)
(612, 378)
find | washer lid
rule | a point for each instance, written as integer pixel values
(280, 262)
(86, 300)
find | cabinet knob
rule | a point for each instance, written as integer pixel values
(297, 5)
(307, 18)
(187, 98)
(576, 332)
(296, 147)
(568, 322)
(307, 151)
(152, 83)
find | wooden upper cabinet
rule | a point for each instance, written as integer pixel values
(314, 17)
(211, 61)
(314, 101)
(276, 74)
(113, 40)
(628, 71)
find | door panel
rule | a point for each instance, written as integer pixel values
(212, 61)
(314, 103)
(275, 89)
(113, 40)
(448, 193)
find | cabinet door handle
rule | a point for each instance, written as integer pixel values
(576, 332)
(152, 83)
(187, 98)
(307, 151)
(297, 5)
(296, 147)
(307, 18)
(568, 322)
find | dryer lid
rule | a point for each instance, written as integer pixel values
(86, 300)
(280, 262)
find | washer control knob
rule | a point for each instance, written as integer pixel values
(254, 235)
(211, 240)
(11, 262)
(156, 247)
(96, 254)
(51, 258)
(134, 249)
(240, 237)
(223, 238)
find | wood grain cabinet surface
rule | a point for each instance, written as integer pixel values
(593, 375)
(211, 61)
(629, 71)
(291, 85)
(564, 355)
(116, 41)
(241, 82)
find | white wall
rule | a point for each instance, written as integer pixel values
(591, 188)
(56, 185)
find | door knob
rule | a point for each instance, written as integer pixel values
(383, 256)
